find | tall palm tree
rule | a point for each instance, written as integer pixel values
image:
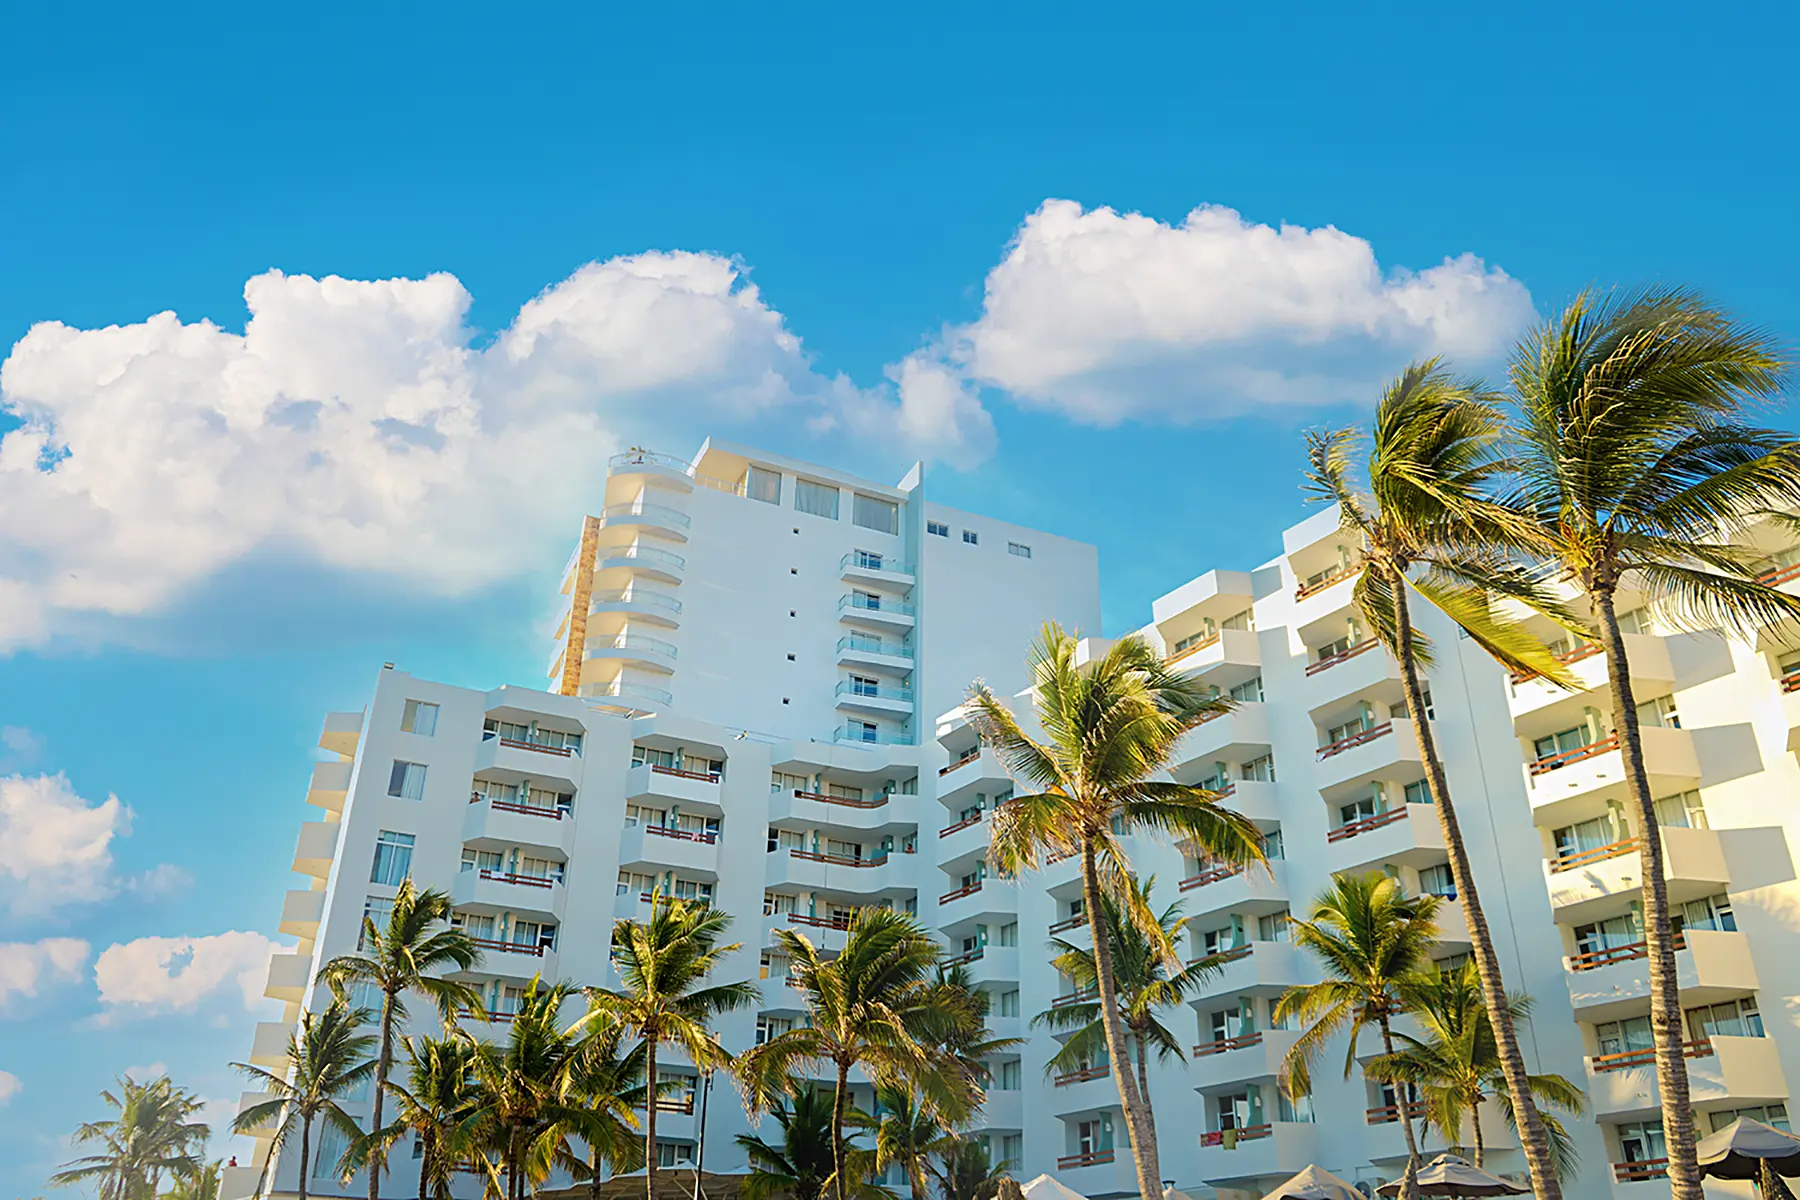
(1456, 1064)
(152, 1135)
(804, 1165)
(965, 1172)
(1111, 727)
(1369, 936)
(204, 1185)
(434, 1105)
(608, 1082)
(1146, 985)
(405, 955)
(663, 996)
(871, 1006)
(906, 1134)
(327, 1058)
(1423, 525)
(1635, 464)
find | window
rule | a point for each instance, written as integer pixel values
(393, 858)
(781, 781)
(777, 903)
(971, 538)
(1660, 712)
(333, 1142)
(1018, 549)
(1436, 881)
(1007, 1077)
(1360, 810)
(1560, 743)
(1572, 840)
(1248, 692)
(1607, 935)
(1009, 1003)
(487, 861)
(1293, 1110)
(1683, 811)
(1452, 962)
(760, 483)
(651, 755)
(407, 781)
(671, 1154)
(937, 529)
(786, 839)
(1774, 1115)
(871, 512)
(376, 909)
(863, 731)
(1273, 928)
(771, 1027)
(1272, 845)
(1622, 1037)
(868, 560)
(1732, 1018)
(1092, 1137)
(1642, 1141)
(633, 881)
(1012, 1149)
(420, 718)
(1349, 729)
(1418, 792)
(818, 499)
(1710, 912)
(1009, 934)
(1259, 768)
(1243, 621)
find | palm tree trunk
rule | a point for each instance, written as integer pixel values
(378, 1157)
(650, 1040)
(1475, 1133)
(594, 1178)
(426, 1161)
(840, 1170)
(1659, 941)
(1137, 1123)
(1533, 1138)
(1409, 1182)
(305, 1154)
(1143, 1073)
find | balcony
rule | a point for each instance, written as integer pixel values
(1253, 798)
(645, 562)
(329, 787)
(1569, 786)
(1248, 1058)
(636, 699)
(632, 650)
(818, 809)
(514, 960)
(881, 612)
(289, 977)
(1086, 1090)
(1000, 1111)
(867, 650)
(1723, 1072)
(1388, 751)
(664, 468)
(828, 933)
(1540, 707)
(498, 892)
(813, 871)
(1228, 658)
(527, 760)
(1255, 968)
(993, 964)
(301, 913)
(963, 840)
(637, 515)
(856, 733)
(661, 848)
(1336, 684)
(316, 848)
(1326, 599)
(1235, 736)
(269, 1046)
(1259, 1152)
(982, 899)
(248, 1101)
(654, 783)
(1598, 882)
(1385, 1142)
(855, 696)
(1710, 966)
(1408, 834)
(976, 770)
(1253, 890)
(499, 825)
(1106, 1172)
(649, 607)
(341, 733)
(1790, 708)
(861, 566)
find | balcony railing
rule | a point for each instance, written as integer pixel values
(620, 690)
(1087, 1158)
(1324, 581)
(679, 773)
(1699, 1048)
(1593, 749)
(539, 747)
(1211, 874)
(865, 603)
(1097, 1071)
(1068, 923)
(838, 860)
(874, 562)
(649, 458)
(530, 810)
(1642, 1169)
(1080, 996)
(1325, 664)
(842, 801)
(1583, 858)
(965, 823)
(867, 737)
(1211, 639)
(966, 957)
(831, 922)
(628, 596)
(1220, 957)
(974, 754)
(1248, 1133)
(967, 889)
(686, 835)
(1226, 1045)
(874, 645)
(1356, 739)
(634, 641)
(546, 882)
(646, 554)
(1388, 1114)
(683, 1106)
(850, 687)
(1583, 651)
(660, 513)
(1378, 821)
(1790, 682)
(532, 948)
(1588, 960)
(1775, 576)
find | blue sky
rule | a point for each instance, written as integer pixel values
(850, 233)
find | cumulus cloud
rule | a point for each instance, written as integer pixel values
(55, 847)
(1107, 317)
(355, 424)
(27, 968)
(153, 976)
(20, 745)
(9, 1087)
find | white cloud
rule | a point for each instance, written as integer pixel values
(1107, 316)
(144, 1074)
(21, 745)
(28, 967)
(55, 847)
(353, 425)
(9, 1087)
(151, 976)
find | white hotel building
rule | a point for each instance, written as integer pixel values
(754, 698)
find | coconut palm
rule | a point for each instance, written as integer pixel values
(1146, 985)
(204, 1185)
(1111, 727)
(607, 1079)
(1637, 470)
(965, 1172)
(804, 1165)
(152, 1135)
(1456, 1064)
(327, 1059)
(905, 1134)
(663, 998)
(434, 1105)
(1369, 936)
(871, 1006)
(405, 955)
(1423, 525)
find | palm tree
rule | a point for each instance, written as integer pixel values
(434, 1105)
(871, 1006)
(1145, 984)
(804, 1165)
(1368, 935)
(1111, 726)
(404, 956)
(906, 1134)
(1456, 1064)
(152, 1134)
(1634, 463)
(202, 1186)
(608, 1081)
(966, 1173)
(663, 997)
(1422, 526)
(326, 1059)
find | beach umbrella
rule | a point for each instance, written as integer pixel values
(1173, 1193)
(1747, 1149)
(1315, 1183)
(1448, 1175)
(1046, 1188)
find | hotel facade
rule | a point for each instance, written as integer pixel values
(754, 699)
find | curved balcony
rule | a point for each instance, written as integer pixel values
(818, 810)
(963, 841)
(660, 848)
(810, 870)
(1334, 686)
(878, 611)
(855, 696)
(653, 607)
(978, 901)
(514, 960)
(632, 650)
(976, 770)
(1255, 968)
(668, 522)
(1539, 707)
(646, 561)
(853, 733)
(665, 468)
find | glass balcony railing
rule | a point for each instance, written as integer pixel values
(629, 596)
(863, 602)
(851, 687)
(620, 690)
(874, 562)
(649, 555)
(633, 641)
(874, 645)
(659, 513)
(861, 734)
(649, 458)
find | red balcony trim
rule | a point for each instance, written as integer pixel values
(1080, 997)
(1645, 1168)
(1198, 646)
(1779, 575)
(1337, 576)
(1325, 664)
(516, 744)
(1091, 1158)
(838, 860)
(536, 881)
(1098, 1071)
(1597, 854)
(702, 776)
(1378, 821)
(1790, 682)
(966, 957)
(966, 759)
(840, 801)
(1355, 739)
(1247, 1134)
(1224, 956)
(1068, 923)
(818, 922)
(535, 951)
(1226, 1045)
(686, 835)
(1591, 959)
(1388, 1114)
(1210, 875)
(1578, 754)
(1698, 1048)
(530, 810)
(959, 893)
(947, 830)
